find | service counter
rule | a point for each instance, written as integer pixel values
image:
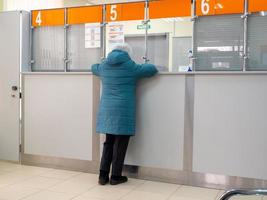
(199, 128)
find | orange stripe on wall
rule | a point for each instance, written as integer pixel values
(83, 15)
(169, 8)
(257, 5)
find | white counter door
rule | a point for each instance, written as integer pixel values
(9, 85)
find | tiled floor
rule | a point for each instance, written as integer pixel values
(35, 183)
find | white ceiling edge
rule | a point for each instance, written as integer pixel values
(74, 3)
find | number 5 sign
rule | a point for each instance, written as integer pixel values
(124, 12)
(114, 12)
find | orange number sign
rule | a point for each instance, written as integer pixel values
(53, 17)
(217, 7)
(124, 12)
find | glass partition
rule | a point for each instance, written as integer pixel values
(219, 43)
(48, 48)
(181, 52)
(158, 48)
(165, 50)
(160, 33)
(257, 42)
(82, 53)
(170, 19)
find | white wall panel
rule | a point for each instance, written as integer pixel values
(160, 123)
(58, 115)
(230, 125)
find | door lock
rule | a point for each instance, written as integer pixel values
(14, 88)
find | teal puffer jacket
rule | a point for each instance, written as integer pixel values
(117, 108)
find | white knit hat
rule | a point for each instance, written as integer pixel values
(124, 47)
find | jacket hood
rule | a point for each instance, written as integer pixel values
(117, 57)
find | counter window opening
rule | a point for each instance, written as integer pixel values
(225, 42)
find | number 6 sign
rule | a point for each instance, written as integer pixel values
(205, 7)
(219, 7)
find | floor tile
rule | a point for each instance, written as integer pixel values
(32, 170)
(15, 192)
(194, 193)
(142, 195)
(76, 185)
(49, 195)
(11, 178)
(158, 187)
(9, 167)
(86, 198)
(40, 182)
(60, 174)
(3, 172)
(106, 192)
(86, 177)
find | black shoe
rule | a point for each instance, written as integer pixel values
(103, 178)
(115, 180)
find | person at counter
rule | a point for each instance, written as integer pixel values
(117, 108)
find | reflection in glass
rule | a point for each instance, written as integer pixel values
(257, 42)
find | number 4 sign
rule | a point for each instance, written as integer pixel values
(53, 17)
(38, 18)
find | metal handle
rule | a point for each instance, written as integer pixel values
(14, 88)
(231, 193)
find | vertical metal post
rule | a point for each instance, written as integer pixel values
(103, 28)
(31, 43)
(145, 22)
(66, 40)
(245, 44)
(193, 19)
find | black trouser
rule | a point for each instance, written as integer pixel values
(114, 152)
